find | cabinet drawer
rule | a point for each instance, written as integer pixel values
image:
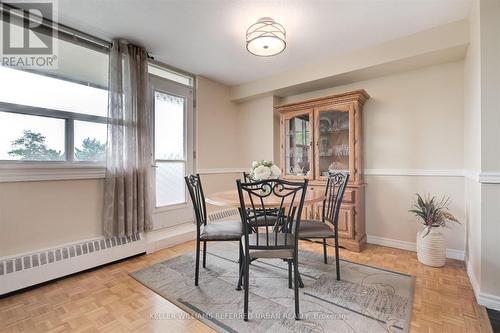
(346, 222)
(349, 196)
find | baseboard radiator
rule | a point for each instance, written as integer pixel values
(18, 272)
(221, 215)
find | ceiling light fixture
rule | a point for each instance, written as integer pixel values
(266, 38)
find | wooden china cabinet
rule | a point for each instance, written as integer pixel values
(325, 134)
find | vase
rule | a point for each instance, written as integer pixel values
(431, 248)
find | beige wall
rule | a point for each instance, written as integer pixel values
(389, 198)
(423, 109)
(217, 133)
(36, 215)
(482, 119)
(472, 143)
(219, 137)
(490, 151)
(256, 127)
(414, 120)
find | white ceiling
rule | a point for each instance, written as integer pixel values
(207, 37)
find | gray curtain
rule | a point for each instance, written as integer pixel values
(127, 194)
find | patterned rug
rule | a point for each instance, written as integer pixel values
(367, 299)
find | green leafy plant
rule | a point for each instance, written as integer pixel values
(32, 147)
(92, 150)
(432, 211)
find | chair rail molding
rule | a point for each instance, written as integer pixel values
(21, 171)
(212, 171)
(415, 172)
(489, 177)
(486, 177)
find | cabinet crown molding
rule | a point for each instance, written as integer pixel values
(360, 96)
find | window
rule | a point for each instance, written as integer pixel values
(169, 148)
(31, 138)
(170, 75)
(44, 118)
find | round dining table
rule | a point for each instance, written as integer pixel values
(231, 199)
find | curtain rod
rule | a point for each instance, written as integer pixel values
(64, 32)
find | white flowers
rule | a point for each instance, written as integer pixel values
(275, 171)
(264, 170)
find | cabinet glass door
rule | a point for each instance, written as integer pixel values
(333, 141)
(298, 139)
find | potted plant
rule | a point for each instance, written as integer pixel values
(432, 213)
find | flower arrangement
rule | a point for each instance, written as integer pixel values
(433, 212)
(263, 169)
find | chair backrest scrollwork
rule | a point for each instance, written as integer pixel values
(334, 193)
(287, 203)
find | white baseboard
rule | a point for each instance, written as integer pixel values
(409, 246)
(168, 237)
(488, 300)
(473, 279)
(26, 270)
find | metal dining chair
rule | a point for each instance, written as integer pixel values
(279, 239)
(328, 226)
(206, 232)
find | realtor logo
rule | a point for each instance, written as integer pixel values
(28, 36)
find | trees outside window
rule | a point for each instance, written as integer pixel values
(32, 146)
(92, 150)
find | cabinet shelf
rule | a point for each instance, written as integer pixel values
(344, 130)
(333, 155)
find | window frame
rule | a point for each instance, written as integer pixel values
(68, 117)
(157, 161)
(68, 169)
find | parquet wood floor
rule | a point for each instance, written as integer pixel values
(108, 300)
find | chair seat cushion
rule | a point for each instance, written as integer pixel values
(272, 245)
(263, 219)
(315, 229)
(229, 230)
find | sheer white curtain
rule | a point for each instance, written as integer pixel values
(127, 195)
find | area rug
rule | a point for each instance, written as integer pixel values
(367, 299)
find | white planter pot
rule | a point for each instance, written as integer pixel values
(431, 249)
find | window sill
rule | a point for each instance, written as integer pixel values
(16, 171)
